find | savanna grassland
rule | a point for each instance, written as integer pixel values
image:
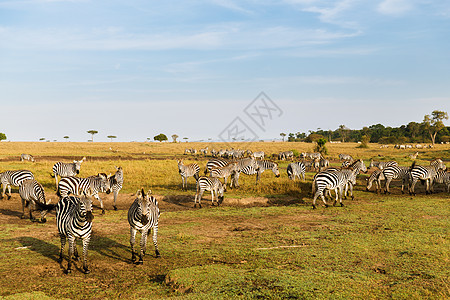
(265, 241)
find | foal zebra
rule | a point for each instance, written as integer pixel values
(394, 172)
(296, 169)
(91, 186)
(14, 178)
(376, 177)
(209, 184)
(143, 216)
(262, 165)
(74, 220)
(229, 170)
(116, 183)
(66, 169)
(32, 194)
(28, 157)
(186, 171)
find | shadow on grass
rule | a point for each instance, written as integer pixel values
(13, 213)
(45, 249)
(109, 248)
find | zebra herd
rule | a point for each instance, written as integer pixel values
(74, 215)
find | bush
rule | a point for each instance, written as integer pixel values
(320, 146)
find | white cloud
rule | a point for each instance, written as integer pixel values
(395, 7)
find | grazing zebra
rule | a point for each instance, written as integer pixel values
(376, 177)
(296, 169)
(258, 154)
(216, 162)
(285, 155)
(382, 164)
(143, 216)
(91, 186)
(229, 170)
(66, 169)
(116, 183)
(324, 163)
(262, 165)
(209, 184)
(345, 157)
(204, 151)
(14, 178)
(423, 173)
(337, 180)
(74, 220)
(186, 171)
(28, 157)
(32, 194)
(394, 172)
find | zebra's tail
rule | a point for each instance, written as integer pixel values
(412, 166)
(52, 174)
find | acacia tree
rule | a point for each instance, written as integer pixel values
(2, 136)
(434, 123)
(160, 137)
(174, 137)
(283, 135)
(343, 130)
(111, 137)
(92, 132)
(66, 137)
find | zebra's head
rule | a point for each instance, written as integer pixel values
(275, 170)
(144, 203)
(105, 182)
(77, 165)
(86, 208)
(220, 191)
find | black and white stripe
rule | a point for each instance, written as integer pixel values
(438, 164)
(258, 154)
(343, 156)
(442, 177)
(216, 162)
(423, 173)
(382, 164)
(33, 196)
(14, 178)
(296, 169)
(91, 186)
(191, 170)
(143, 216)
(395, 172)
(262, 165)
(376, 177)
(74, 220)
(116, 184)
(209, 184)
(28, 157)
(62, 169)
(333, 180)
(229, 170)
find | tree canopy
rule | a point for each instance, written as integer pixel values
(160, 137)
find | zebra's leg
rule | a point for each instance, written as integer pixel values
(115, 199)
(411, 187)
(143, 245)
(132, 242)
(155, 240)
(225, 184)
(212, 197)
(101, 203)
(56, 179)
(71, 249)
(9, 191)
(386, 186)
(351, 191)
(85, 252)
(63, 244)
(76, 256)
(199, 198)
(340, 196)
(23, 209)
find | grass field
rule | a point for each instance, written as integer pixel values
(264, 242)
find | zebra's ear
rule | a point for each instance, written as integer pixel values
(149, 192)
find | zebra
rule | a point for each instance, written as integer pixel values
(91, 186)
(413, 156)
(14, 178)
(382, 164)
(186, 171)
(74, 220)
(423, 173)
(116, 183)
(209, 184)
(143, 215)
(66, 169)
(376, 177)
(262, 166)
(229, 170)
(258, 154)
(323, 163)
(394, 172)
(285, 155)
(438, 164)
(204, 151)
(241, 163)
(32, 194)
(216, 162)
(345, 157)
(443, 177)
(337, 180)
(296, 169)
(28, 157)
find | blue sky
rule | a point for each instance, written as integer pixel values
(137, 68)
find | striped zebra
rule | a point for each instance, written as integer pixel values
(333, 180)
(91, 186)
(438, 164)
(66, 169)
(241, 163)
(14, 178)
(229, 170)
(216, 162)
(262, 165)
(258, 154)
(296, 169)
(32, 194)
(186, 171)
(28, 157)
(422, 173)
(116, 183)
(343, 156)
(323, 164)
(143, 216)
(74, 220)
(209, 184)
(394, 172)
(376, 177)
(382, 164)
(443, 177)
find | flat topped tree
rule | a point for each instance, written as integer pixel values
(92, 132)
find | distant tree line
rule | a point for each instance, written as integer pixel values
(431, 130)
